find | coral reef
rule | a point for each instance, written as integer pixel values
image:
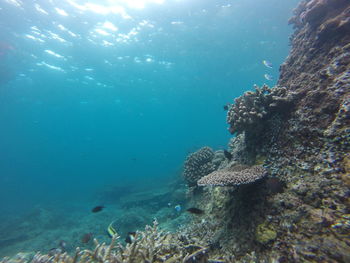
(198, 164)
(298, 132)
(237, 175)
(251, 109)
(303, 142)
(150, 245)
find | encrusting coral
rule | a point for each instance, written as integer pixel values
(237, 175)
(198, 164)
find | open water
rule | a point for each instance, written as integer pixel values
(116, 93)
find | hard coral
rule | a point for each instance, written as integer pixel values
(150, 245)
(198, 164)
(251, 109)
(239, 174)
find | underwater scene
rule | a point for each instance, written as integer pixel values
(174, 131)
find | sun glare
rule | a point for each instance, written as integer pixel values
(139, 4)
(111, 6)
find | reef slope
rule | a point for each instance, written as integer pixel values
(300, 132)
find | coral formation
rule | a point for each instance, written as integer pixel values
(251, 109)
(150, 245)
(305, 150)
(198, 164)
(237, 175)
(265, 234)
(299, 131)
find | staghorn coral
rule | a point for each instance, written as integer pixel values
(150, 245)
(251, 109)
(198, 164)
(237, 175)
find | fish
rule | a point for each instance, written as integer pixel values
(268, 77)
(267, 63)
(62, 244)
(111, 230)
(195, 211)
(226, 106)
(98, 208)
(228, 155)
(130, 237)
(178, 208)
(86, 238)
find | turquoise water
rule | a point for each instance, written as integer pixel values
(102, 94)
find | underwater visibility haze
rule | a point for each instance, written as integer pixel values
(119, 92)
(115, 114)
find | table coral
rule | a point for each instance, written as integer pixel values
(236, 175)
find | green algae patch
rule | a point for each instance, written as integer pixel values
(265, 233)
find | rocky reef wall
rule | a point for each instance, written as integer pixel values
(300, 211)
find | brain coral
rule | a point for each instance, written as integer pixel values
(239, 174)
(198, 164)
(252, 107)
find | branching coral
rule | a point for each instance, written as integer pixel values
(149, 246)
(198, 164)
(253, 107)
(239, 174)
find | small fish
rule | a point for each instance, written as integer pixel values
(195, 211)
(111, 230)
(62, 244)
(267, 63)
(178, 208)
(130, 237)
(228, 155)
(268, 77)
(97, 208)
(169, 204)
(227, 106)
(86, 238)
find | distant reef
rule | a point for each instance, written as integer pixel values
(280, 192)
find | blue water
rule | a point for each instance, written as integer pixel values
(96, 95)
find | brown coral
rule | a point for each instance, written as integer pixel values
(252, 108)
(237, 175)
(198, 164)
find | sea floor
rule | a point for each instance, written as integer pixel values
(44, 227)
